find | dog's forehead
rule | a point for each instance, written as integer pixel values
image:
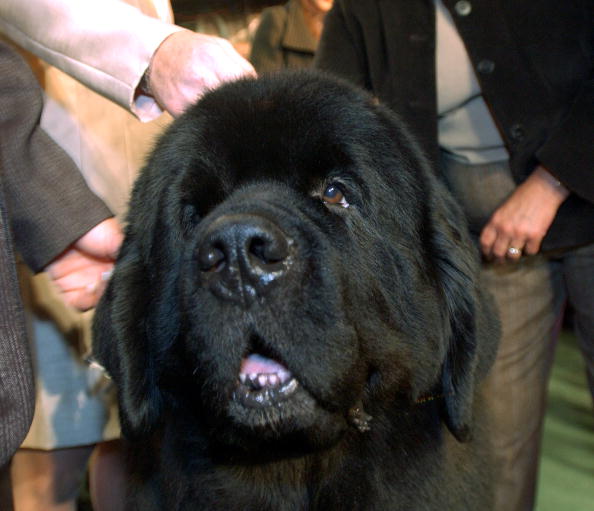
(299, 131)
(305, 174)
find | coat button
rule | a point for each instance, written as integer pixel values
(485, 66)
(463, 7)
(517, 132)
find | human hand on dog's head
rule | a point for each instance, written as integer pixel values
(82, 271)
(187, 64)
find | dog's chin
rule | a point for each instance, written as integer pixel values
(297, 426)
(269, 404)
(286, 406)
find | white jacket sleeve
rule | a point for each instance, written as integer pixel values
(107, 45)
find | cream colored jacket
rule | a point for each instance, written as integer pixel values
(108, 143)
(65, 33)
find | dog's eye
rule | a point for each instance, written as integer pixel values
(333, 195)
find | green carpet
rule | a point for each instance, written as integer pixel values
(566, 480)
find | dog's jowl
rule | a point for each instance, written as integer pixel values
(295, 321)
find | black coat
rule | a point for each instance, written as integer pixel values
(534, 60)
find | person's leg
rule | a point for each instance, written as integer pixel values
(48, 480)
(578, 270)
(107, 477)
(530, 299)
(530, 296)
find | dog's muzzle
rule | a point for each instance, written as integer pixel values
(241, 256)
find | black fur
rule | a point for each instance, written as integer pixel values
(375, 309)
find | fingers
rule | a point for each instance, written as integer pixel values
(497, 244)
(188, 64)
(514, 250)
(499, 247)
(61, 265)
(83, 289)
(487, 241)
(84, 298)
(84, 277)
(98, 248)
(231, 65)
(522, 221)
(80, 279)
(103, 240)
(532, 246)
(517, 227)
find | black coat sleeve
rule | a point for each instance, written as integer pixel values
(568, 152)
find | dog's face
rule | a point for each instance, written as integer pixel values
(288, 260)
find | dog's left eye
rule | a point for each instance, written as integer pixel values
(334, 195)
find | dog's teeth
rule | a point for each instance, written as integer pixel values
(259, 381)
(283, 375)
(252, 381)
(289, 388)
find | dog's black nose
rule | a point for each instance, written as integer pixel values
(241, 256)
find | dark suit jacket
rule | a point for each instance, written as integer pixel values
(535, 63)
(45, 205)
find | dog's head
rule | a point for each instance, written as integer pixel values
(289, 256)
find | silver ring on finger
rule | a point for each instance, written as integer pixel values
(514, 251)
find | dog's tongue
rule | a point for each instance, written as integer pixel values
(258, 364)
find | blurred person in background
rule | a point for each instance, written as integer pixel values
(288, 35)
(235, 22)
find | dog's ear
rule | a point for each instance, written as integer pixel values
(470, 322)
(121, 345)
(141, 294)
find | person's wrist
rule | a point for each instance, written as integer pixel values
(146, 86)
(552, 183)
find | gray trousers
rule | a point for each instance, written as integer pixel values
(531, 296)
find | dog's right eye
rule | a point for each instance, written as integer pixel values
(334, 195)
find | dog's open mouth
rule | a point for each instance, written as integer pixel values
(263, 382)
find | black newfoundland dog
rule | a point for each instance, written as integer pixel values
(295, 320)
